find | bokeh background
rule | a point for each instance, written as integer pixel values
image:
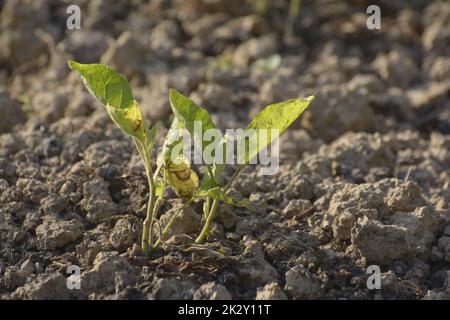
(365, 171)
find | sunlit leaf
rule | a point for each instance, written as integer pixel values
(105, 84)
(188, 112)
(112, 89)
(278, 117)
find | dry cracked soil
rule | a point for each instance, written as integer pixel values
(364, 174)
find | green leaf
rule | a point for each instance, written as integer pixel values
(188, 112)
(129, 119)
(218, 194)
(277, 116)
(105, 84)
(112, 89)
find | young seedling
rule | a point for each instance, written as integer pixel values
(172, 167)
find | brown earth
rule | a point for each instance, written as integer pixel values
(364, 177)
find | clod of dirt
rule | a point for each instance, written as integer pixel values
(46, 287)
(173, 288)
(53, 204)
(54, 234)
(408, 234)
(19, 42)
(255, 270)
(226, 216)
(32, 189)
(340, 111)
(433, 93)
(109, 274)
(185, 223)
(97, 203)
(405, 197)
(125, 233)
(13, 278)
(255, 48)
(213, 97)
(127, 54)
(270, 291)
(212, 291)
(153, 99)
(297, 207)
(351, 202)
(396, 68)
(301, 284)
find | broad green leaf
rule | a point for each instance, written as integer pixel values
(105, 84)
(277, 116)
(112, 89)
(218, 194)
(188, 112)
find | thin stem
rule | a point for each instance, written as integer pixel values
(207, 207)
(208, 221)
(215, 205)
(148, 222)
(158, 204)
(157, 171)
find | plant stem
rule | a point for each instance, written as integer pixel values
(207, 207)
(209, 219)
(215, 205)
(148, 222)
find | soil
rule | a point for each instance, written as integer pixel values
(364, 176)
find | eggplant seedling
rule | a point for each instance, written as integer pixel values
(172, 167)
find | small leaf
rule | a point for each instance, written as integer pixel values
(277, 116)
(105, 84)
(188, 112)
(218, 194)
(112, 89)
